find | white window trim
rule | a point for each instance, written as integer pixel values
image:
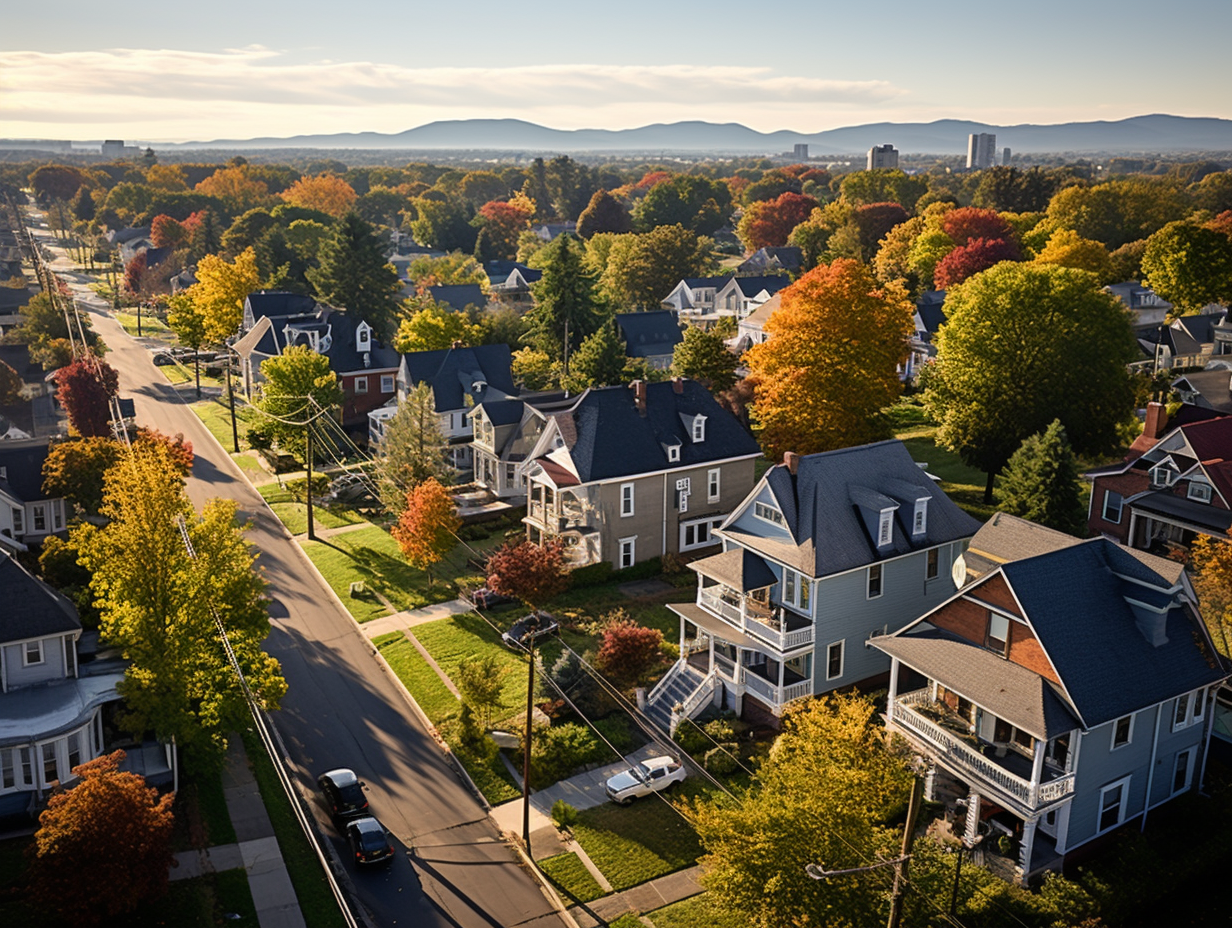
(387, 378)
(1189, 771)
(1195, 709)
(933, 554)
(1099, 808)
(919, 518)
(361, 384)
(842, 659)
(868, 581)
(673, 454)
(25, 654)
(885, 528)
(699, 428)
(1112, 745)
(759, 505)
(1120, 508)
(714, 479)
(1204, 491)
(631, 541)
(38, 511)
(625, 513)
(713, 521)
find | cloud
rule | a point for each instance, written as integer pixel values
(206, 94)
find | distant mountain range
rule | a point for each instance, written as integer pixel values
(1158, 133)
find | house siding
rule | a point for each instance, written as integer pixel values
(996, 592)
(1127, 485)
(52, 667)
(969, 619)
(1099, 765)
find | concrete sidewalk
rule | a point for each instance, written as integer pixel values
(256, 851)
(409, 618)
(640, 899)
(585, 790)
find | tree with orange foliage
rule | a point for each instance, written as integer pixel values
(534, 574)
(327, 192)
(500, 223)
(1211, 561)
(104, 847)
(828, 368)
(236, 188)
(767, 223)
(168, 232)
(426, 529)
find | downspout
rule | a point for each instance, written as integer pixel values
(1150, 777)
(1206, 739)
(663, 549)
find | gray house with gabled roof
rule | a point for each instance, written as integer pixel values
(1058, 695)
(833, 548)
(651, 336)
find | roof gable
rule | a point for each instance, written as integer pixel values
(32, 609)
(453, 372)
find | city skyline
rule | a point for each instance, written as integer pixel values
(243, 72)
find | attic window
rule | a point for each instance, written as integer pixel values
(1163, 476)
(919, 522)
(363, 337)
(699, 428)
(767, 513)
(673, 453)
(1201, 492)
(885, 527)
(998, 633)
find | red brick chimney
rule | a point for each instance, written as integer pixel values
(639, 395)
(1156, 421)
(678, 384)
(791, 461)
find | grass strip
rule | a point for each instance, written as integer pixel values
(316, 900)
(636, 843)
(569, 874)
(694, 912)
(421, 681)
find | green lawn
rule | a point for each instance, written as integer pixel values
(453, 640)
(294, 515)
(486, 770)
(216, 414)
(151, 325)
(418, 677)
(570, 876)
(372, 556)
(201, 813)
(694, 912)
(636, 843)
(311, 887)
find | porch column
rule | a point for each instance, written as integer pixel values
(1024, 850)
(973, 817)
(683, 655)
(1133, 525)
(1037, 769)
(930, 783)
(710, 666)
(893, 695)
(781, 677)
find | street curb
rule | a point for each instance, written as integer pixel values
(547, 888)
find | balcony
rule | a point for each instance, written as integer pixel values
(965, 755)
(781, 629)
(768, 691)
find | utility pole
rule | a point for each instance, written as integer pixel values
(565, 372)
(235, 432)
(963, 845)
(308, 487)
(900, 871)
(530, 706)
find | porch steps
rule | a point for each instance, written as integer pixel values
(683, 683)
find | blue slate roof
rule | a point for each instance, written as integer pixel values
(615, 440)
(1075, 601)
(452, 373)
(32, 609)
(342, 352)
(932, 314)
(459, 296)
(22, 462)
(751, 286)
(649, 334)
(277, 303)
(818, 508)
(504, 412)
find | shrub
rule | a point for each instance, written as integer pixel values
(721, 730)
(557, 751)
(259, 437)
(674, 563)
(296, 487)
(721, 760)
(563, 814)
(627, 650)
(591, 575)
(690, 737)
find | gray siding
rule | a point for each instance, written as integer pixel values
(52, 667)
(747, 522)
(843, 611)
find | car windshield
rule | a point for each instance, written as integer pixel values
(642, 772)
(351, 796)
(372, 840)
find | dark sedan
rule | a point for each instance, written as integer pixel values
(528, 630)
(344, 793)
(369, 841)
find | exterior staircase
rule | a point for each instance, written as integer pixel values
(676, 688)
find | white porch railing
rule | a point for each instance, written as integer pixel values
(739, 618)
(967, 759)
(699, 697)
(665, 681)
(774, 695)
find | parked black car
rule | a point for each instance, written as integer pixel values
(369, 841)
(485, 598)
(344, 793)
(528, 630)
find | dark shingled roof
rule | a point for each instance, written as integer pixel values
(18, 358)
(459, 296)
(22, 462)
(817, 506)
(932, 314)
(614, 440)
(14, 297)
(504, 412)
(649, 334)
(451, 372)
(751, 286)
(277, 303)
(32, 609)
(1075, 602)
(739, 568)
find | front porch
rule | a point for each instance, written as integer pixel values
(552, 512)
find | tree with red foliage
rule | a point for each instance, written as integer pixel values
(967, 260)
(500, 225)
(873, 222)
(426, 530)
(767, 223)
(651, 178)
(134, 274)
(969, 223)
(627, 650)
(179, 450)
(529, 572)
(104, 847)
(85, 388)
(168, 232)
(1222, 223)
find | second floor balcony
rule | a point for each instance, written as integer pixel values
(774, 624)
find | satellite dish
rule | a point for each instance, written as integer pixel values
(958, 573)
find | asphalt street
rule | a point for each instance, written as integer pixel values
(342, 709)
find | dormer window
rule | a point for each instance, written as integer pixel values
(998, 637)
(768, 513)
(885, 528)
(919, 520)
(673, 453)
(1199, 491)
(363, 337)
(1163, 476)
(699, 428)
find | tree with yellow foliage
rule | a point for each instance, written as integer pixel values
(1211, 560)
(220, 291)
(236, 188)
(326, 192)
(1069, 249)
(829, 365)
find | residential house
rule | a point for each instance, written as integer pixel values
(1175, 484)
(506, 431)
(1189, 341)
(459, 296)
(34, 414)
(366, 369)
(631, 473)
(1207, 389)
(27, 514)
(693, 298)
(55, 707)
(928, 318)
(740, 296)
(650, 336)
(1057, 696)
(1146, 307)
(12, 301)
(826, 551)
(785, 259)
(751, 329)
(460, 379)
(275, 304)
(550, 230)
(510, 281)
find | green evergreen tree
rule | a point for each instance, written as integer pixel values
(703, 357)
(83, 205)
(565, 301)
(1040, 482)
(599, 362)
(354, 275)
(412, 450)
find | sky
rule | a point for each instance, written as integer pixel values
(249, 68)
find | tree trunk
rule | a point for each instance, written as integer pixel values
(988, 489)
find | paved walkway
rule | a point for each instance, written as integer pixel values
(409, 618)
(645, 898)
(585, 790)
(256, 851)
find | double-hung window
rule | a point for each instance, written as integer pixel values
(874, 581)
(712, 484)
(32, 653)
(998, 637)
(834, 661)
(1182, 771)
(628, 552)
(1122, 731)
(1112, 507)
(1112, 802)
(626, 499)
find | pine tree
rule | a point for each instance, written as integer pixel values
(703, 357)
(354, 275)
(599, 362)
(412, 451)
(565, 301)
(1040, 482)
